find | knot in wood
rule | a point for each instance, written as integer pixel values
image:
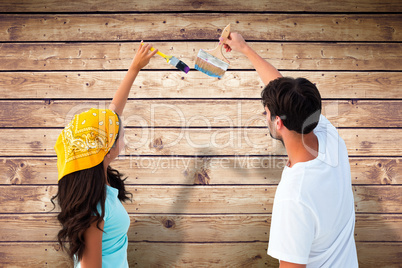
(386, 180)
(57, 247)
(257, 257)
(196, 4)
(15, 180)
(168, 223)
(354, 101)
(157, 144)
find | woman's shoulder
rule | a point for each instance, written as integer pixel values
(110, 202)
(112, 196)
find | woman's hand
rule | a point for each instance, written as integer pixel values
(142, 57)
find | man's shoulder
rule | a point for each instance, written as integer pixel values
(291, 183)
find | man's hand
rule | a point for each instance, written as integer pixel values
(265, 70)
(234, 42)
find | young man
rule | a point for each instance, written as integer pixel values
(313, 215)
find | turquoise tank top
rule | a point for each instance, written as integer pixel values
(114, 239)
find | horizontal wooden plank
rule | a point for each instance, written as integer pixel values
(126, 27)
(200, 142)
(205, 5)
(20, 228)
(197, 199)
(289, 56)
(165, 84)
(33, 255)
(196, 113)
(378, 228)
(379, 254)
(236, 170)
(163, 255)
(154, 199)
(370, 255)
(167, 170)
(149, 141)
(375, 170)
(35, 199)
(372, 198)
(360, 142)
(194, 228)
(246, 199)
(159, 228)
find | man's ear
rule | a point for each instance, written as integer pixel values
(278, 123)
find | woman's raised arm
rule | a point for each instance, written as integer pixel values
(141, 59)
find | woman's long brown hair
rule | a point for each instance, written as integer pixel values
(78, 195)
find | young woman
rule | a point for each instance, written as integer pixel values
(94, 223)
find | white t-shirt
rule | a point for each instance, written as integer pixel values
(313, 215)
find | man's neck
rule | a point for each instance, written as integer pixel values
(301, 148)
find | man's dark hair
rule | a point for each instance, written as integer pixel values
(296, 101)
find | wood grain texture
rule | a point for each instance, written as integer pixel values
(194, 228)
(195, 113)
(148, 141)
(372, 198)
(139, 255)
(154, 199)
(378, 228)
(200, 142)
(33, 255)
(127, 27)
(197, 199)
(379, 254)
(23, 228)
(202, 196)
(246, 255)
(377, 170)
(164, 170)
(238, 170)
(284, 55)
(142, 254)
(172, 84)
(356, 6)
(361, 142)
(30, 199)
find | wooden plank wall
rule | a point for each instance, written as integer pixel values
(199, 162)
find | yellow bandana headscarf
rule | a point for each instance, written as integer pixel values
(86, 140)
